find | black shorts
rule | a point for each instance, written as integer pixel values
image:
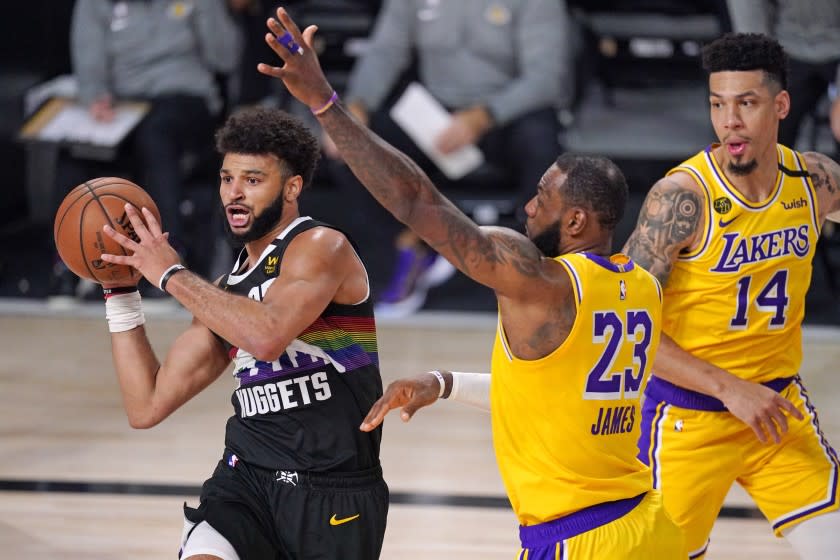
(287, 515)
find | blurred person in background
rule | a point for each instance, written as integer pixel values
(173, 54)
(500, 67)
(809, 31)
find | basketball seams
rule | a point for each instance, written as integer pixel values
(108, 218)
(88, 187)
(109, 196)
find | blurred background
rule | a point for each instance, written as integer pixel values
(631, 88)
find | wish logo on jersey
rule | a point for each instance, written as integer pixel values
(739, 250)
(287, 394)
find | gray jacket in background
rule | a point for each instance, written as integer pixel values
(511, 56)
(809, 30)
(145, 49)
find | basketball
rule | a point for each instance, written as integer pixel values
(78, 227)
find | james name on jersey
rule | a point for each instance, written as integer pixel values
(614, 420)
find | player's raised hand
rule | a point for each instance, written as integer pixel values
(761, 408)
(411, 394)
(301, 72)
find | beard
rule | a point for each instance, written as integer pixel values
(548, 241)
(742, 169)
(262, 224)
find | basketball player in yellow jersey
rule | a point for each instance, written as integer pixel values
(731, 233)
(565, 446)
(577, 333)
(569, 500)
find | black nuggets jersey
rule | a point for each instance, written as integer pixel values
(302, 411)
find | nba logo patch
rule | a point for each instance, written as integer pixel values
(622, 290)
(232, 460)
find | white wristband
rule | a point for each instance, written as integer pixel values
(124, 312)
(440, 379)
(167, 274)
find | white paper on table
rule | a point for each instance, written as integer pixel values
(423, 118)
(74, 124)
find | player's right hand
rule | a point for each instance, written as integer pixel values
(761, 408)
(411, 394)
(152, 254)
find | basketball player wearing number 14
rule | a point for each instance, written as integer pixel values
(731, 234)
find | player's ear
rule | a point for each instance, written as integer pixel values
(576, 220)
(782, 104)
(292, 188)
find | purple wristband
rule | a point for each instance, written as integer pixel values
(333, 98)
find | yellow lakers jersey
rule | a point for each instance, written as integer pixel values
(565, 426)
(737, 301)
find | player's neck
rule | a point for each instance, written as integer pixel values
(256, 248)
(759, 183)
(601, 246)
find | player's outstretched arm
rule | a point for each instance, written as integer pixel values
(414, 393)
(410, 394)
(499, 258)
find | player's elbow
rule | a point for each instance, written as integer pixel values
(268, 349)
(143, 418)
(268, 354)
(269, 342)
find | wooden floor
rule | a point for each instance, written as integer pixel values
(77, 483)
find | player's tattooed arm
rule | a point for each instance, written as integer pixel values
(825, 176)
(669, 220)
(499, 258)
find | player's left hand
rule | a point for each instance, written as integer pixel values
(411, 394)
(301, 73)
(761, 408)
(152, 255)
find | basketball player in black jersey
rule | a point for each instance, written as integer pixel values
(297, 478)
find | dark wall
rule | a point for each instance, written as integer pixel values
(34, 48)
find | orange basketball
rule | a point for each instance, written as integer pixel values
(78, 227)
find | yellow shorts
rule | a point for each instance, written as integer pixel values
(696, 455)
(639, 530)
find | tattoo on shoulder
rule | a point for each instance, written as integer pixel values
(474, 249)
(823, 176)
(668, 220)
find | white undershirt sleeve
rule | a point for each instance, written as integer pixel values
(472, 389)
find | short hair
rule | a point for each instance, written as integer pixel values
(262, 130)
(597, 183)
(742, 52)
